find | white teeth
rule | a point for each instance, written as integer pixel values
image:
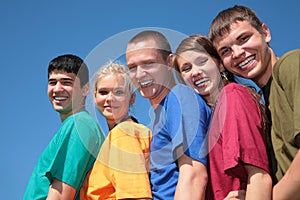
(60, 98)
(246, 62)
(200, 83)
(146, 83)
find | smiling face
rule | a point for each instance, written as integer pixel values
(202, 73)
(149, 71)
(65, 93)
(113, 98)
(245, 51)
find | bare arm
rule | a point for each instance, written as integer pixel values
(192, 179)
(61, 191)
(259, 184)
(289, 186)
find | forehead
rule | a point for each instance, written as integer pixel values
(111, 80)
(235, 30)
(191, 55)
(61, 73)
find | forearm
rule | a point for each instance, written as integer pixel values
(289, 186)
(259, 184)
(192, 179)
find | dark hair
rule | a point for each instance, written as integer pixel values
(222, 22)
(161, 42)
(71, 64)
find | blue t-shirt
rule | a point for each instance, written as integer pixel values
(182, 118)
(68, 157)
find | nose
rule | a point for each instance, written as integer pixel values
(139, 72)
(237, 51)
(110, 96)
(58, 87)
(196, 71)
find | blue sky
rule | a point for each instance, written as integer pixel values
(33, 32)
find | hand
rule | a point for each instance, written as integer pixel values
(238, 195)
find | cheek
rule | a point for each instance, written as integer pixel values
(187, 78)
(99, 101)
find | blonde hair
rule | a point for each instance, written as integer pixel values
(114, 68)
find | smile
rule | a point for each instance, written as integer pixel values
(146, 83)
(60, 98)
(246, 62)
(200, 83)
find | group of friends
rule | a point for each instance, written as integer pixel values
(212, 138)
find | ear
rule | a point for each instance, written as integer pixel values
(85, 89)
(266, 33)
(132, 99)
(221, 67)
(170, 60)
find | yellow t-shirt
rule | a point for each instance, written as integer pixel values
(122, 166)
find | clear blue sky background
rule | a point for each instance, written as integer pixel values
(34, 31)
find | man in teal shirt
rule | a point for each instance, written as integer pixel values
(71, 153)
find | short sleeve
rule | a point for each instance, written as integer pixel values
(188, 119)
(242, 133)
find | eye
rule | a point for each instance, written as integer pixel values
(102, 92)
(52, 83)
(224, 52)
(132, 68)
(119, 92)
(67, 83)
(202, 61)
(186, 68)
(244, 39)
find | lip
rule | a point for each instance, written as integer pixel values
(246, 63)
(145, 83)
(59, 98)
(200, 83)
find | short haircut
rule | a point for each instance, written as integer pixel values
(71, 64)
(161, 42)
(222, 22)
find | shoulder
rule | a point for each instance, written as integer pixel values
(290, 58)
(234, 93)
(129, 128)
(234, 89)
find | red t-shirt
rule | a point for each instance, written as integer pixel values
(235, 138)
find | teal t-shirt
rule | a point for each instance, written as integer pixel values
(68, 157)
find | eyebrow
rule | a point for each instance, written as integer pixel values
(62, 79)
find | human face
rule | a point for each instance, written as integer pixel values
(202, 73)
(65, 93)
(112, 98)
(245, 51)
(149, 71)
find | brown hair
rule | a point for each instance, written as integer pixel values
(222, 22)
(202, 43)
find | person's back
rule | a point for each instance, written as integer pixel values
(71, 153)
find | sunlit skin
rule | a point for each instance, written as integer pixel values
(149, 71)
(112, 98)
(202, 73)
(65, 93)
(245, 52)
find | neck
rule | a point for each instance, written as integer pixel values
(262, 80)
(213, 97)
(112, 123)
(74, 111)
(163, 93)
